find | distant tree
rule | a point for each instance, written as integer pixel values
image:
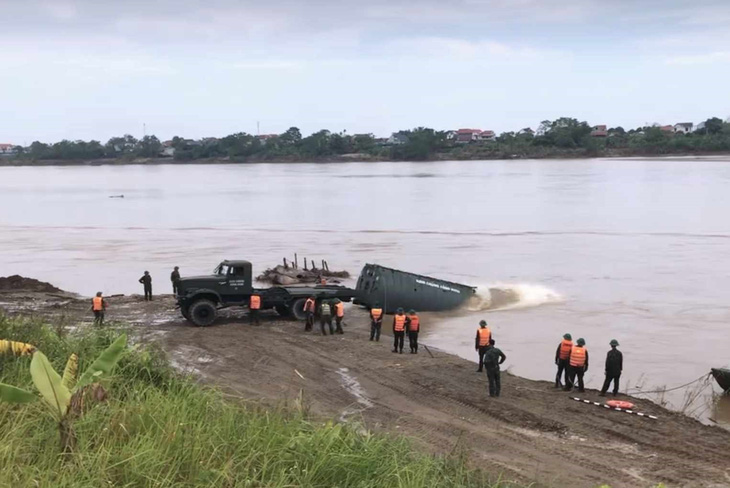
(291, 137)
(148, 147)
(364, 143)
(422, 143)
(39, 150)
(317, 144)
(712, 126)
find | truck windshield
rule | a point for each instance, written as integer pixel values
(221, 270)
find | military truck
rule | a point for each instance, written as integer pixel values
(231, 285)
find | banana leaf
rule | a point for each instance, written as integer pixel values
(50, 384)
(104, 364)
(11, 394)
(16, 348)
(69, 374)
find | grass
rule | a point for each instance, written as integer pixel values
(159, 429)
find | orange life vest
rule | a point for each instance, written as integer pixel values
(255, 302)
(399, 323)
(309, 305)
(376, 313)
(565, 347)
(484, 335)
(340, 309)
(415, 322)
(578, 356)
(98, 304)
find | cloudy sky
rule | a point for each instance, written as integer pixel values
(92, 69)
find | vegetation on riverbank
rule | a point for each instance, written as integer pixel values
(158, 429)
(561, 138)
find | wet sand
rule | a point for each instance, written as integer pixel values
(531, 434)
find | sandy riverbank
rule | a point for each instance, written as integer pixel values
(531, 434)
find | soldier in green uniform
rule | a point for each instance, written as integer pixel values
(493, 357)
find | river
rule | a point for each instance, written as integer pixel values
(636, 250)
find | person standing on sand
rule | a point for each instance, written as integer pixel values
(399, 330)
(309, 306)
(562, 359)
(254, 305)
(578, 365)
(325, 317)
(614, 367)
(98, 306)
(146, 280)
(376, 322)
(175, 278)
(339, 314)
(484, 334)
(493, 357)
(413, 324)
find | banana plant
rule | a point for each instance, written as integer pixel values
(65, 396)
(16, 348)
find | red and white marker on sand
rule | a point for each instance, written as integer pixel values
(619, 406)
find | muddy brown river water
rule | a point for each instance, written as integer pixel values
(636, 250)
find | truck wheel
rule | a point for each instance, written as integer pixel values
(283, 310)
(297, 309)
(202, 313)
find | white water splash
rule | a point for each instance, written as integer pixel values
(512, 296)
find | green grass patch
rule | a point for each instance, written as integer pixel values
(160, 429)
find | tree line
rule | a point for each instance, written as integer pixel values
(561, 137)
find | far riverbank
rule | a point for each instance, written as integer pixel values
(357, 158)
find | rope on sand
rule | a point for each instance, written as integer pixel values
(640, 414)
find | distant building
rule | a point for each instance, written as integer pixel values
(487, 135)
(450, 135)
(398, 138)
(667, 128)
(167, 149)
(7, 149)
(381, 141)
(683, 127)
(465, 136)
(264, 138)
(599, 131)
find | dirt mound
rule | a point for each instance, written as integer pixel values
(20, 283)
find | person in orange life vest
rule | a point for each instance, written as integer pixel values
(254, 305)
(325, 316)
(376, 322)
(98, 306)
(399, 330)
(339, 314)
(578, 365)
(413, 324)
(309, 307)
(562, 359)
(482, 342)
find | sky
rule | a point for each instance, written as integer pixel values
(93, 69)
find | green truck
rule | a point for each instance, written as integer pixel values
(231, 285)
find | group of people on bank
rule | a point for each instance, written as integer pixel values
(328, 309)
(572, 362)
(402, 324)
